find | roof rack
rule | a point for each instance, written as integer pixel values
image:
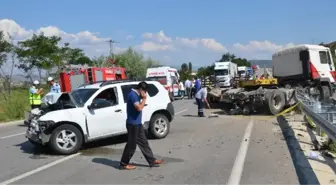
(109, 82)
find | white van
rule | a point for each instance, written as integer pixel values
(167, 76)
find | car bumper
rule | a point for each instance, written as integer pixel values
(35, 135)
(171, 110)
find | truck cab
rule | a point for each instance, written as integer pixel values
(242, 71)
(225, 73)
(307, 65)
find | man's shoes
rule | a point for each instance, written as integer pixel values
(127, 167)
(157, 163)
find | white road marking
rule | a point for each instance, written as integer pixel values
(238, 166)
(27, 174)
(13, 135)
(177, 113)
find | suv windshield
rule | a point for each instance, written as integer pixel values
(80, 96)
(221, 72)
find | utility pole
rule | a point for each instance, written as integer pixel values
(111, 42)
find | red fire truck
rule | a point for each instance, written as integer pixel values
(76, 75)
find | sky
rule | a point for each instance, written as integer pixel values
(174, 31)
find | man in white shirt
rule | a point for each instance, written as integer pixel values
(187, 85)
(201, 98)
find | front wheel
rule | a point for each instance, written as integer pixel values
(325, 93)
(159, 126)
(66, 139)
(276, 101)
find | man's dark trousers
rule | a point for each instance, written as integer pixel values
(189, 92)
(136, 136)
(200, 105)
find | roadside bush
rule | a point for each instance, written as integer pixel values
(13, 108)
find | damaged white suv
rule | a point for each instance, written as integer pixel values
(96, 111)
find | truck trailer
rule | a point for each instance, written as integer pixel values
(309, 68)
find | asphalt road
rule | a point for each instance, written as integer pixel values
(197, 151)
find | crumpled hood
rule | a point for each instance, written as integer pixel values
(51, 98)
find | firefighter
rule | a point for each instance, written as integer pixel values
(35, 93)
(54, 87)
(201, 99)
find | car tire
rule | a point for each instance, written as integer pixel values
(72, 133)
(36, 144)
(159, 126)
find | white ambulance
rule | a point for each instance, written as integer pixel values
(167, 76)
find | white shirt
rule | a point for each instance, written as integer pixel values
(187, 83)
(181, 86)
(202, 93)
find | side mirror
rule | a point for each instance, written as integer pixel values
(92, 106)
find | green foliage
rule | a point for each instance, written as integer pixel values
(185, 71)
(206, 71)
(134, 62)
(14, 107)
(226, 57)
(231, 57)
(5, 47)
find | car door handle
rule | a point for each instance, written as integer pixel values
(146, 104)
(118, 110)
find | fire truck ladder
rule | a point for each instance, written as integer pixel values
(322, 114)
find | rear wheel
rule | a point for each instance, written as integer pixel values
(276, 102)
(66, 139)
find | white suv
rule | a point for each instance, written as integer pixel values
(96, 111)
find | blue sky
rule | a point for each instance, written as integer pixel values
(196, 31)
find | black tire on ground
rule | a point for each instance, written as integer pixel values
(54, 146)
(36, 144)
(325, 93)
(157, 119)
(276, 101)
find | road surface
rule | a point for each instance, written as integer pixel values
(197, 151)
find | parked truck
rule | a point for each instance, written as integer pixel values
(242, 71)
(306, 67)
(225, 72)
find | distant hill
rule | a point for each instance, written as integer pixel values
(262, 63)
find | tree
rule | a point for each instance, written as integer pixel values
(134, 62)
(6, 72)
(190, 67)
(39, 52)
(184, 71)
(231, 57)
(206, 71)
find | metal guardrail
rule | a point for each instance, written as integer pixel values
(322, 114)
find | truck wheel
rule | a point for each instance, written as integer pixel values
(276, 102)
(159, 126)
(324, 93)
(66, 139)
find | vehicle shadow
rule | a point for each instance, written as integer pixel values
(303, 169)
(91, 147)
